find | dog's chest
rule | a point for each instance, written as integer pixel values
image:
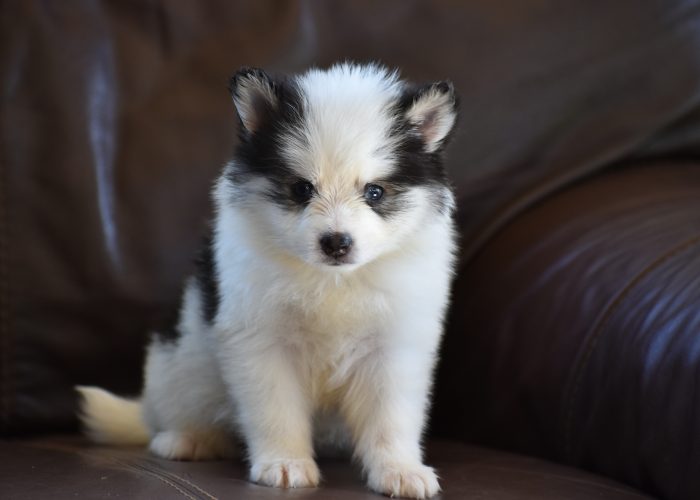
(339, 336)
(342, 312)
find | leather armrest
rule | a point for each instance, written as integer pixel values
(575, 332)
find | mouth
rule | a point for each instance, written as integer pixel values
(337, 262)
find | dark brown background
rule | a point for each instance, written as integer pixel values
(575, 328)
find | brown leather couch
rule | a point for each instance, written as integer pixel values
(571, 364)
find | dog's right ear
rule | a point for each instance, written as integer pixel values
(255, 97)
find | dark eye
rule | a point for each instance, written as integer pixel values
(373, 193)
(302, 191)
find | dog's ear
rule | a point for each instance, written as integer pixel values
(431, 112)
(255, 97)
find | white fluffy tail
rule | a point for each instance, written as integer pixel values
(109, 419)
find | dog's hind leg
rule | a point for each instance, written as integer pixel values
(185, 403)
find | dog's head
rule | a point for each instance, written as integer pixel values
(342, 166)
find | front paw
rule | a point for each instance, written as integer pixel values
(404, 480)
(299, 473)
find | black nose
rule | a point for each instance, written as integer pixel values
(336, 244)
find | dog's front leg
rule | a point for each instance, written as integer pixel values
(272, 407)
(385, 408)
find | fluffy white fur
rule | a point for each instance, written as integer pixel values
(301, 352)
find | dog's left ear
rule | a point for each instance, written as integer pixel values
(255, 97)
(431, 114)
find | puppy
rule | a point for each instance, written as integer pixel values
(315, 316)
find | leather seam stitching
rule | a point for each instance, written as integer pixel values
(171, 484)
(190, 483)
(599, 328)
(161, 472)
(158, 476)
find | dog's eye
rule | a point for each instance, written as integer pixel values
(302, 191)
(373, 193)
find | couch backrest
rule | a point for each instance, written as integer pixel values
(115, 120)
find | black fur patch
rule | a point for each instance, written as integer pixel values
(258, 153)
(168, 335)
(207, 279)
(394, 202)
(414, 165)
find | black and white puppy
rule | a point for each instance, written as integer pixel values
(316, 316)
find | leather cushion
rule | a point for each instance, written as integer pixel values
(65, 467)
